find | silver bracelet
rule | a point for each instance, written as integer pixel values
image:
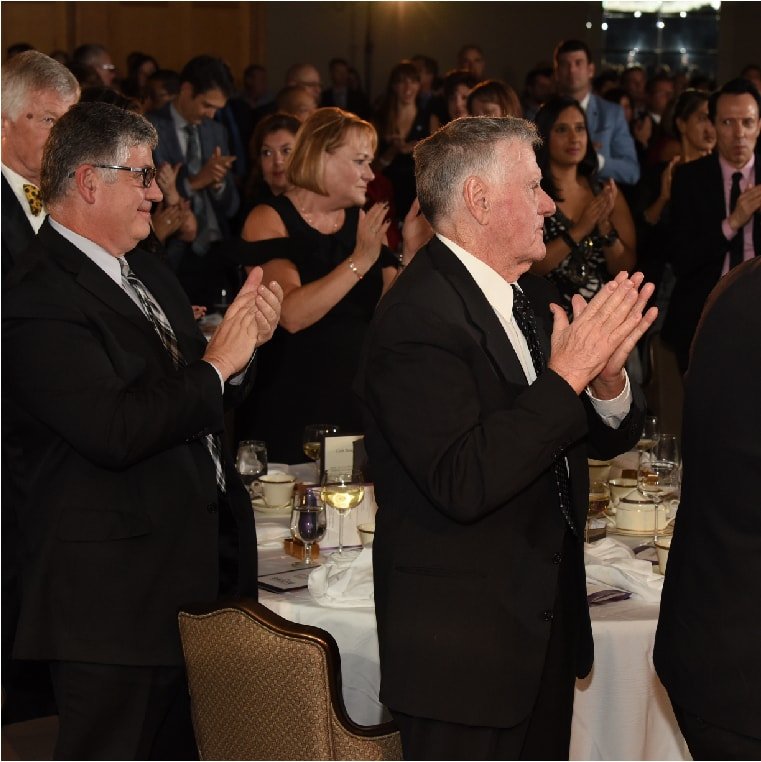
(354, 268)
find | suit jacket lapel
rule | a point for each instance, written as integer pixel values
(479, 312)
(90, 277)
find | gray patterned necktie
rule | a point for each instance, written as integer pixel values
(526, 321)
(158, 319)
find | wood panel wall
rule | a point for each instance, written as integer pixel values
(172, 32)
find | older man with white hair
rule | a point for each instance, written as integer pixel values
(36, 92)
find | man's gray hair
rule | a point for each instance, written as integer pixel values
(33, 72)
(90, 133)
(462, 148)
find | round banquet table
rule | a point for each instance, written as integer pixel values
(621, 710)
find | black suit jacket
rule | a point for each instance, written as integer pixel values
(469, 533)
(698, 246)
(356, 102)
(119, 507)
(17, 233)
(707, 643)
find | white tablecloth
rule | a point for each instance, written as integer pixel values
(621, 711)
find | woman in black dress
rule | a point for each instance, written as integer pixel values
(591, 236)
(330, 259)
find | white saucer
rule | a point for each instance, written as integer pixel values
(261, 507)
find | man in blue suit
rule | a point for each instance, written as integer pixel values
(616, 154)
(197, 147)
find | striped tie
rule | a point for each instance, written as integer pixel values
(152, 310)
(526, 321)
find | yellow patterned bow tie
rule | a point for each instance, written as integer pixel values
(32, 193)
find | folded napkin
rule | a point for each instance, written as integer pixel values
(271, 532)
(339, 584)
(610, 563)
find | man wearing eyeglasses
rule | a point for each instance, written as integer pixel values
(97, 58)
(36, 91)
(114, 405)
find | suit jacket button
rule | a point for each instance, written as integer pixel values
(557, 558)
(547, 615)
(211, 507)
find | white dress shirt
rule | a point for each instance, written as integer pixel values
(499, 293)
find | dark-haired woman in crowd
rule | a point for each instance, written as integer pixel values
(140, 67)
(330, 260)
(590, 237)
(271, 145)
(400, 125)
(453, 104)
(494, 98)
(697, 138)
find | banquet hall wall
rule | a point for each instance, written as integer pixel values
(514, 36)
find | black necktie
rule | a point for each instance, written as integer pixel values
(524, 318)
(737, 244)
(152, 310)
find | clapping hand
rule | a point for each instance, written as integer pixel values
(250, 320)
(416, 232)
(213, 172)
(593, 348)
(371, 233)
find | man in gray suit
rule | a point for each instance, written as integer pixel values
(616, 154)
(197, 149)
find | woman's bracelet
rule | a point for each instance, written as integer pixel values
(354, 268)
(610, 238)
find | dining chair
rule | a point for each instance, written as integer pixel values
(262, 687)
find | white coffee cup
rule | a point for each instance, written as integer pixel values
(277, 489)
(635, 513)
(620, 488)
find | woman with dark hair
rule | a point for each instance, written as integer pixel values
(330, 259)
(590, 237)
(400, 125)
(140, 67)
(697, 138)
(269, 149)
(494, 98)
(454, 102)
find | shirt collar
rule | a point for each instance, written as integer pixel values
(93, 251)
(584, 102)
(178, 119)
(495, 288)
(727, 170)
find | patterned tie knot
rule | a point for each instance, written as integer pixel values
(33, 196)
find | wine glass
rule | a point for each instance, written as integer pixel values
(314, 433)
(657, 478)
(308, 522)
(342, 489)
(251, 461)
(650, 433)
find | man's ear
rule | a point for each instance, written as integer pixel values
(86, 181)
(475, 193)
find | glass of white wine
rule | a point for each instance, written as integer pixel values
(657, 478)
(314, 433)
(342, 489)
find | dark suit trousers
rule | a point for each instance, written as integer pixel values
(707, 741)
(122, 712)
(546, 733)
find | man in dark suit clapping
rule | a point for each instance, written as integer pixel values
(198, 149)
(114, 405)
(481, 405)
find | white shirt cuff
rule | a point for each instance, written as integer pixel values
(612, 412)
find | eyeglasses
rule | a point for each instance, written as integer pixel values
(148, 173)
(107, 67)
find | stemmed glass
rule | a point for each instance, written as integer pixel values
(342, 489)
(251, 461)
(308, 523)
(314, 433)
(650, 433)
(658, 473)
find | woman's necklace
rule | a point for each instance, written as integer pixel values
(308, 217)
